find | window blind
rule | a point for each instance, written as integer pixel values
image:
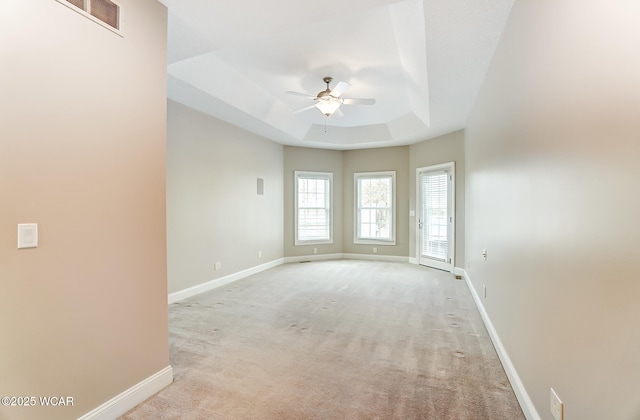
(313, 222)
(436, 219)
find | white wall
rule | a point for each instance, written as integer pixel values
(82, 153)
(213, 210)
(553, 167)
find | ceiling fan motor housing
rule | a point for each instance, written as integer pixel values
(327, 91)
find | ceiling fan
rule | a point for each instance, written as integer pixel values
(329, 100)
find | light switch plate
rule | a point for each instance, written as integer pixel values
(27, 235)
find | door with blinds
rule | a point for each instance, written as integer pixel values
(436, 216)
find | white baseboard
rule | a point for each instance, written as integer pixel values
(222, 281)
(375, 257)
(314, 257)
(133, 396)
(456, 270)
(526, 404)
(215, 283)
(342, 256)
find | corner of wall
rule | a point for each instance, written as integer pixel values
(519, 389)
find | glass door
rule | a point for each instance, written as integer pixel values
(436, 216)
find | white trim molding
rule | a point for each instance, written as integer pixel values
(526, 404)
(357, 235)
(342, 256)
(328, 206)
(215, 283)
(375, 257)
(450, 169)
(314, 257)
(133, 396)
(459, 271)
(222, 281)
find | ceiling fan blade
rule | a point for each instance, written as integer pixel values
(306, 95)
(340, 89)
(304, 108)
(354, 101)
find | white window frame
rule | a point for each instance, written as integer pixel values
(449, 264)
(329, 206)
(357, 239)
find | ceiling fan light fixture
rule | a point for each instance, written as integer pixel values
(328, 106)
(329, 100)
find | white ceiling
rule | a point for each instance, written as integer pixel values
(422, 60)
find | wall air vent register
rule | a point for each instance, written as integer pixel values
(103, 11)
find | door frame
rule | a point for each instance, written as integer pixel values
(451, 213)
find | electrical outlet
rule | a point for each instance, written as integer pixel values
(218, 265)
(315, 250)
(557, 408)
(259, 254)
(484, 255)
(375, 250)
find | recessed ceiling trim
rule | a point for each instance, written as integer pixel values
(238, 65)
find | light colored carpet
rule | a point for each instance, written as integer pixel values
(338, 339)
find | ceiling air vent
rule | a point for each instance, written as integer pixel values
(104, 10)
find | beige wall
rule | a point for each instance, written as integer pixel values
(213, 210)
(442, 149)
(552, 163)
(375, 160)
(82, 153)
(404, 160)
(343, 164)
(315, 160)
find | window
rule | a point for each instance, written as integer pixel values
(375, 208)
(313, 201)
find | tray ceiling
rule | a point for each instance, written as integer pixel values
(423, 62)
